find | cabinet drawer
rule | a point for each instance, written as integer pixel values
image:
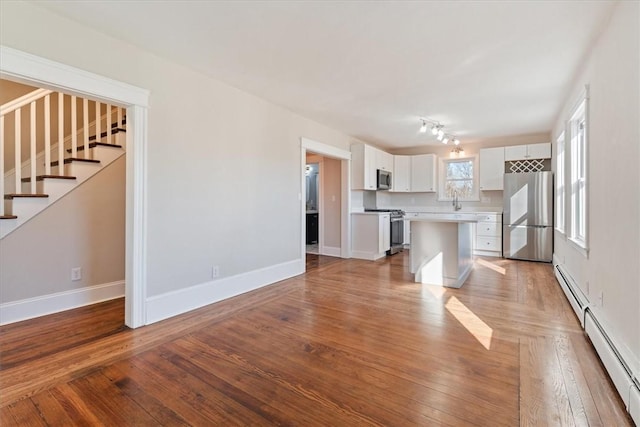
(488, 229)
(490, 218)
(488, 243)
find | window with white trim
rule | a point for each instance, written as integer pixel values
(560, 183)
(458, 176)
(578, 165)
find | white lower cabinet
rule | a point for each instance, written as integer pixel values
(489, 235)
(370, 235)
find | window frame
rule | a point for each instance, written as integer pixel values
(577, 162)
(561, 185)
(442, 178)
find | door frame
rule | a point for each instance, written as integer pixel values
(33, 70)
(325, 150)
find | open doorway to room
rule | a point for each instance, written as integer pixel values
(67, 151)
(325, 200)
(32, 70)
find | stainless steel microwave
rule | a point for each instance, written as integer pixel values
(383, 180)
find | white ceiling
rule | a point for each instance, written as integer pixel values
(372, 69)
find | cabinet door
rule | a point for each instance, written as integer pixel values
(491, 168)
(384, 161)
(515, 152)
(363, 167)
(423, 173)
(539, 151)
(401, 177)
(384, 232)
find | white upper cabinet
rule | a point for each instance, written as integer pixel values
(527, 152)
(384, 161)
(423, 173)
(363, 167)
(401, 178)
(492, 168)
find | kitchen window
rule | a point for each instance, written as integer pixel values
(458, 176)
(560, 184)
(578, 126)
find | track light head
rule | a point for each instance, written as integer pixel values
(445, 140)
(423, 128)
(440, 134)
(434, 129)
(456, 141)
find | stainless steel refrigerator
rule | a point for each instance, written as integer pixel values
(527, 230)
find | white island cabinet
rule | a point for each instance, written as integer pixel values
(370, 235)
(441, 248)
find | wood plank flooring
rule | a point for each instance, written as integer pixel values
(348, 343)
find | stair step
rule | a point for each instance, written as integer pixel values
(97, 144)
(104, 134)
(75, 159)
(23, 195)
(8, 217)
(43, 177)
(115, 125)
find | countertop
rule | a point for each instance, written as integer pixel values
(438, 210)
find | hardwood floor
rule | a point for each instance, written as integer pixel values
(348, 343)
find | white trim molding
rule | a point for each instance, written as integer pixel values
(331, 251)
(30, 308)
(42, 72)
(173, 303)
(33, 70)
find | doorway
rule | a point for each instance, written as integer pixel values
(333, 202)
(32, 70)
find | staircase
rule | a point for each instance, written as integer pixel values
(90, 136)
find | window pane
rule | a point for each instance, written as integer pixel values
(460, 170)
(462, 187)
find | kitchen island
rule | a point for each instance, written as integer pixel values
(441, 247)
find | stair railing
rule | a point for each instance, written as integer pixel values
(30, 101)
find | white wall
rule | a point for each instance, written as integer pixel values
(613, 263)
(223, 165)
(85, 228)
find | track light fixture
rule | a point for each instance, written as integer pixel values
(437, 129)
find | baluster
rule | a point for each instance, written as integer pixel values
(18, 146)
(74, 127)
(60, 133)
(2, 192)
(33, 153)
(85, 127)
(109, 128)
(98, 121)
(47, 135)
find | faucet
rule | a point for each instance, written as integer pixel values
(456, 204)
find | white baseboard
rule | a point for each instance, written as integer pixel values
(29, 308)
(331, 251)
(634, 405)
(173, 303)
(367, 255)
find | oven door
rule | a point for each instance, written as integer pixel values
(397, 232)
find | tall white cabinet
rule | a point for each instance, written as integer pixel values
(491, 168)
(401, 179)
(423, 173)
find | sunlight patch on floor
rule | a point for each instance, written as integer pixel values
(476, 327)
(491, 266)
(433, 290)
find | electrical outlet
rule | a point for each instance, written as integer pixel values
(76, 274)
(215, 271)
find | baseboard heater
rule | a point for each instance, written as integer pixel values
(618, 369)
